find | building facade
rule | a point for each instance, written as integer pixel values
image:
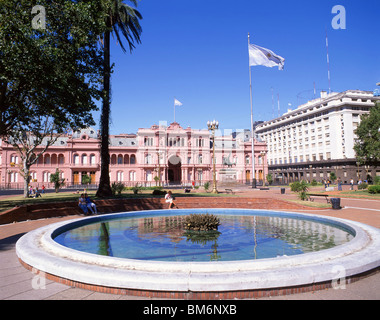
(160, 154)
(317, 138)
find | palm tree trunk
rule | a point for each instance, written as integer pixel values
(104, 189)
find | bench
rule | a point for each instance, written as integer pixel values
(318, 195)
(229, 191)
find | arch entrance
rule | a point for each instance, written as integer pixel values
(174, 169)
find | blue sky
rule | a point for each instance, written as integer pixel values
(197, 52)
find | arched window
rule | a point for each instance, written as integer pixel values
(47, 159)
(148, 158)
(61, 159)
(149, 175)
(84, 158)
(92, 159)
(76, 159)
(120, 176)
(132, 176)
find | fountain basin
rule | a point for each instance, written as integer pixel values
(40, 251)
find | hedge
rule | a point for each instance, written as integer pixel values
(374, 189)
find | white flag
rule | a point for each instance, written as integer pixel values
(259, 56)
(177, 103)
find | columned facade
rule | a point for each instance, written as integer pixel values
(317, 138)
(170, 155)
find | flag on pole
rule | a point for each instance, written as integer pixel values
(177, 103)
(259, 56)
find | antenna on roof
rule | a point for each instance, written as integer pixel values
(328, 62)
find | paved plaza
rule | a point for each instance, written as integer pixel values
(17, 283)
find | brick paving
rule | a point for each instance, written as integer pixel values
(17, 283)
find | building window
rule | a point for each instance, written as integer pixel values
(46, 176)
(132, 176)
(149, 175)
(120, 176)
(148, 159)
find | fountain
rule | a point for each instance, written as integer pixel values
(253, 252)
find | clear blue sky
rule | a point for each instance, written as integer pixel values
(197, 52)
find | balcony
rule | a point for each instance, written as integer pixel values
(85, 165)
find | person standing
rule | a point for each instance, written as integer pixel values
(339, 184)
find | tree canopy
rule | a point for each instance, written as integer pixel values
(367, 145)
(55, 69)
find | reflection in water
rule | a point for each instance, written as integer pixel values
(238, 238)
(104, 240)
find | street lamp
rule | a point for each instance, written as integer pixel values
(212, 126)
(159, 153)
(263, 153)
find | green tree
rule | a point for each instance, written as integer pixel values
(333, 176)
(57, 180)
(50, 74)
(31, 142)
(367, 144)
(123, 21)
(55, 70)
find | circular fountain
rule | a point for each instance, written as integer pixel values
(254, 252)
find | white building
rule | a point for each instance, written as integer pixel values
(317, 138)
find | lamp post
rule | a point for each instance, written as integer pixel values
(263, 153)
(159, 153)
(212, 126)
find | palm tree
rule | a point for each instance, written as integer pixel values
(123, 21)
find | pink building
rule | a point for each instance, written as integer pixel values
(180, 155)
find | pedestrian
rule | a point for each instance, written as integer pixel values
(82, 204)
(352, 184)
(37, 194)
(339, 184)
(170, 199)
(90, 205)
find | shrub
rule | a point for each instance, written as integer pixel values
(158, 192)
(57, 180)
(206, 186)
(376, 181)
(303, 195)
(295, 186)
(299, 186)
(374, 189)
(201, 222)
(362, 186)
(117, 187)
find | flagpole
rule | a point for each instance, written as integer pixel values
(252, 135)
(328, 62)
(174, 109)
